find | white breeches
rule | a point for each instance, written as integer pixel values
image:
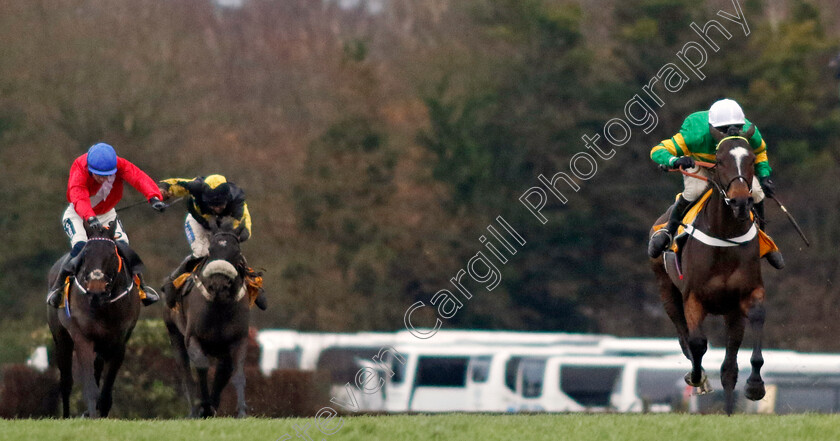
(197, 236)
(74, 226)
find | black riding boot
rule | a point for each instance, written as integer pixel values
(67, 269)
(661, 240)
(260, 301)
(169, 291)
(151, 295)
(135, 268)
(774, 258)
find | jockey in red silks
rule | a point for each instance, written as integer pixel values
(93, 190)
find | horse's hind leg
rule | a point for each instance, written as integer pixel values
(98, 364)
(64, 360)
(106, 398)
(672, 302)
(756, 314)
(239, 378)
(729, 368)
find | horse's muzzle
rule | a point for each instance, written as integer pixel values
(741, 207)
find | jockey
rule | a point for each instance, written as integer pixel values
(94, 188)
(210, 198)
(694, 141)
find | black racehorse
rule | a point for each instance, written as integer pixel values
(212, 321)
(100, 310)
(722, 271)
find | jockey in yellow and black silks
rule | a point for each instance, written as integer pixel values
(695, 142)
(209, 198)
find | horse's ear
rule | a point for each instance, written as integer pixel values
(226, 223)
(214, 225)
(241, 232)
(749, 133)
(716, 134)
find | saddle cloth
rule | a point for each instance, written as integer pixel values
(766, 243)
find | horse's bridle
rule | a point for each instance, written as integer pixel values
(109, 280)
(724, 190)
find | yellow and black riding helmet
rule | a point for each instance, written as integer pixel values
(215, 191)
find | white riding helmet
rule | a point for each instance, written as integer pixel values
(725, 112)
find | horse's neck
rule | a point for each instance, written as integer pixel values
(718, 220)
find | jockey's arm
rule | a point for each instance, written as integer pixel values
(669, 150)
(243, 219)
(762, 164)
(176, 187)
(138, 179)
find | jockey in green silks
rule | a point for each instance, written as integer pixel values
(695, 142)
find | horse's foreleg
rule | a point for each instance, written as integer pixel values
(202, 365)
(697, 343)
(756, 314)
(223, 370)
(64, 360)
(176, 339)
(729, 368)
(239, 378)
(86, 357)
(106, 399)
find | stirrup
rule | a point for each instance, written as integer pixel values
(54, 297)
(151, 295)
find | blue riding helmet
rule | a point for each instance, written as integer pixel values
(102, 159)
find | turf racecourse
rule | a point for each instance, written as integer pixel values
(670, 427)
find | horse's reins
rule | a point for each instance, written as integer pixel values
(132, 205)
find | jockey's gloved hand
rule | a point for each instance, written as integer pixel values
(93, 223)
(157, 204)
(684, 162)
(768, 186)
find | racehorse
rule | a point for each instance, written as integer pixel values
(100, 310)
(212, 321)
(723, 278)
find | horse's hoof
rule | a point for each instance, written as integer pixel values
(242, 414)
(703, 380)
(207, 411)
(754, 390)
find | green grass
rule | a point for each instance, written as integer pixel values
(567, 427)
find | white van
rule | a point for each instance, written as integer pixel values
(651, 385)
(567, 383)
(493, 378)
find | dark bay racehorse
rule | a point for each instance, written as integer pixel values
(212, 321)
(96, 321)
(723, 278)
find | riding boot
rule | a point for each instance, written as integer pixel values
(774, 258)
(661, 239)
(151, 295)
(260, 301)
(67, 269)
(169, 291)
